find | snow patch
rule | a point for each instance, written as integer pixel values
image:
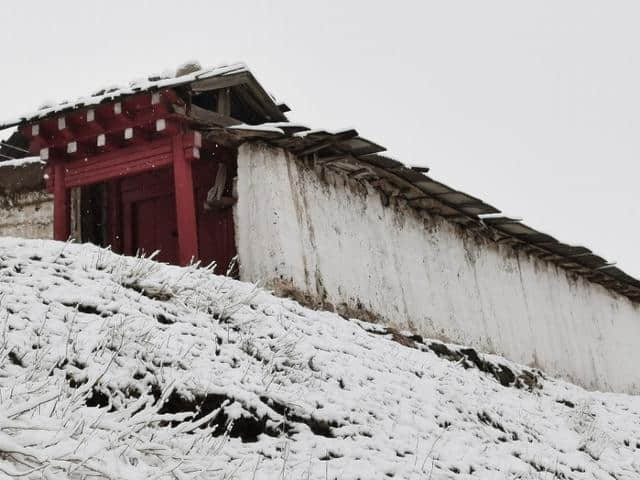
(123, 368)
(21, 162)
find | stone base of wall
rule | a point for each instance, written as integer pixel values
(26, 208)
(26, 214)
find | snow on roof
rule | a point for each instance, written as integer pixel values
(263, 127)
(20, 162)
(6, 134)
(122, 368)
(111, 93)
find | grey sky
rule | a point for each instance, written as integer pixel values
(532, 106)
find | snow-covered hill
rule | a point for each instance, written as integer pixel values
(123, 368)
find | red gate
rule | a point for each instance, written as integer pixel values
(142, 147)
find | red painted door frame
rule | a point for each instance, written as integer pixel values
(176, 151)
(61, 204)
(149, 206)
(185, 204)
(111, 140)
(149, 213)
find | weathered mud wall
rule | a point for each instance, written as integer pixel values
(335, 244)
(26, 209)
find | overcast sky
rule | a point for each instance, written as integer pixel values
(531, 106)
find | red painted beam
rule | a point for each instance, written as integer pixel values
(83, 123)
(77, 150)
(62, 133)
(37, 141)
(127, 161)
(185, 203)
(83, 126)
(140, 165)
(141, 149)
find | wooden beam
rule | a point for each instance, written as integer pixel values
(122, 162)
(136, 134)
(576, 255)
(216, 83)
(332, 140)
(34, 134)
(131, 160)
(101, 141)
(474, 204)
(330, 159)
(245, 94)
(166, 127)
(76, 150)
(359, 171)
(83, 122)
(13, 147)
(393, 179)
(222, 137)
(185, 203)
(93, 127)
(273, 112)
(62, 133)
(418, 198)
(224, 102)
(211, 118)
(112, 117)
(452, 216)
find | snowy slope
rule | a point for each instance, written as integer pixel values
(115, 367)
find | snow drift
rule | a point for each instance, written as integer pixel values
(123, 368)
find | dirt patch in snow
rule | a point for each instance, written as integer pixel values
(507, 375)
(284, 288)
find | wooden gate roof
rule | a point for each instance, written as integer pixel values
(227, 76)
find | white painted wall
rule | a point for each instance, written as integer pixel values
(338, 243)
(26, 214)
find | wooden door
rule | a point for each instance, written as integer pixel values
(155, 228)
(149, 215)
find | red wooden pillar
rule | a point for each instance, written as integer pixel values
(61, 204)
(185, 203)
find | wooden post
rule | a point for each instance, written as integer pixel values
(76, 213)
(224, 102)
(185, 203)
(61, 204)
